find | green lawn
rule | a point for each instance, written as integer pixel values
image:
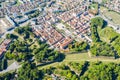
(113, 16)
(94, 6)
(107, 33)
(79, 57)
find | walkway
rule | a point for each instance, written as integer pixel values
(13, 66)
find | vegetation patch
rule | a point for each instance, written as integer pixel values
(108, 34)
(26, 47)
(93, 8)
(99, 47)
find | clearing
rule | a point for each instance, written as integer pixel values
(79, 57)
(107, 34)
(111, 15)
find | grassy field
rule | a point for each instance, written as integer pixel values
(10, 62)
(79, 57)
(69, 58)
(107, 33)
(94, 6)
(113, 16)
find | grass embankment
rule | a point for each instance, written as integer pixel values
(107, 34)
(80, 57)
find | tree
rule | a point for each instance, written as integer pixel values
(98, 21)
(4, 63)
(74, 77)
(11, 36)
(79, 46)
(0, 65)
(29, 71)
(69, 74)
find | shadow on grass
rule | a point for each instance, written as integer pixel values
(61, 57)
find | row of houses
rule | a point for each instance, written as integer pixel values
(75, 15)
(42, 27)
(79, 20)
(52, 37)
(113, 5)
(3, 46)
(70, 4)
(20, 13)
(25, 7)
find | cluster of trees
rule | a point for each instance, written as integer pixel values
(33, 15)
(109, 35)
(18, 50)
(93, 71)
(78, 46)
(44, 54)
(29, 71)
(27, 47)
(26, 31)
(87, 71)
(65, 72)
(116, 45)
(94, 34)
(95, 23)
(98, 22)
(3, 64)
(11, 36)
(79, 68)
(102, 71)
(102, 49)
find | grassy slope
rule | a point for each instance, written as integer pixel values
(107, 33)
(79, 58)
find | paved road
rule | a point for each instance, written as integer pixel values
(13, 66)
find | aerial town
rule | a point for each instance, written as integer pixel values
(59, 39)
